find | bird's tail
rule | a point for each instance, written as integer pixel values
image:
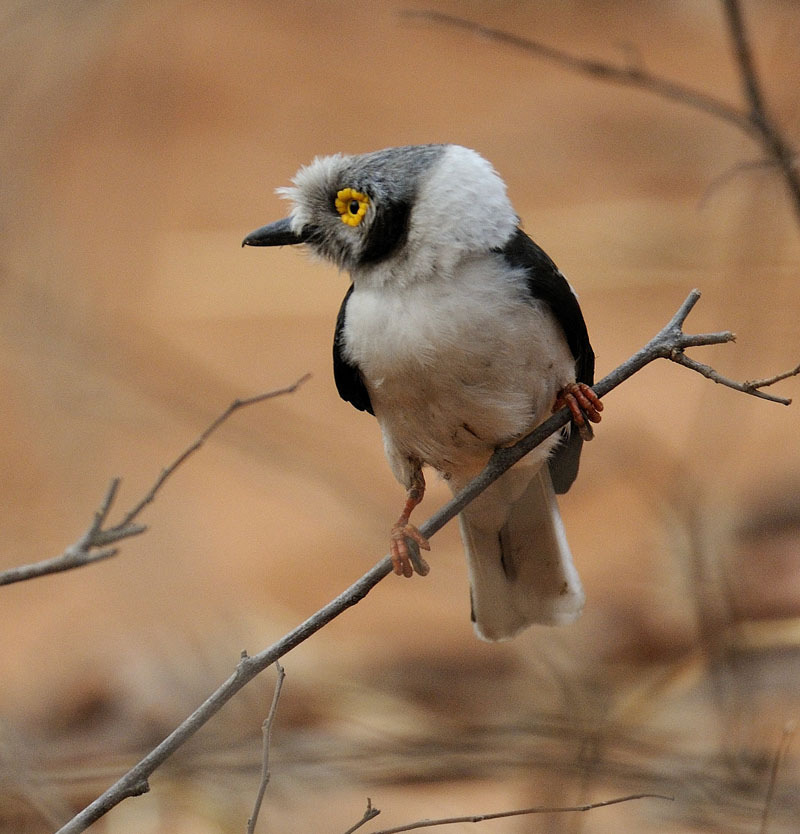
(520, 565)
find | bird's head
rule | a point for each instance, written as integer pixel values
(409, 210)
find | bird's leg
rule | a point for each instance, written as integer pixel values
(583, 405)
(405, 538)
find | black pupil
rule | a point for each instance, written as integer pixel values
(354, 206)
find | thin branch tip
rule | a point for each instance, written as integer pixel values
(221, 418)
(688, 305)
(108, 499)
(540, 809)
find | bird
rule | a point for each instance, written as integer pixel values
(460, 335)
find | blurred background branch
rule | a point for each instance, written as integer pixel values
(753, 119)
(92, 546)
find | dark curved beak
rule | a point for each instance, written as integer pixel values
(278, 233)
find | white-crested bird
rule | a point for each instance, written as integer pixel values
(460, 335)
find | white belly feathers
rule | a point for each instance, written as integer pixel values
(465, 366)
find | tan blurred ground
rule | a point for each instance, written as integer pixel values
(140, 143)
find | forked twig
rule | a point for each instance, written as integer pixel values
(748, 387)
(667, 344)
(755, 384)
(93, 545)
(369, 814)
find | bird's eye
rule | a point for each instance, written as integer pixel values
(352, 206)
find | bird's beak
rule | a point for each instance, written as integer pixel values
(278, 233)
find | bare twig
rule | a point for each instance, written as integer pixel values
(215, 424)
(92, 546)
(752, 388)
(754, 121)
(539, 809)
(266, 733)
(783, 748)
(665, 345)
(369, 814)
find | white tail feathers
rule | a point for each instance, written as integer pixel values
(520, 565)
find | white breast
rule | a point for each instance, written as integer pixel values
(456, 365)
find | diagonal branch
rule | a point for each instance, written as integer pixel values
(631, 75)
(668, 343)
(215, 424)
(92, 546)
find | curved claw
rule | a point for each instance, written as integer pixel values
(583, 405)
(404, 547)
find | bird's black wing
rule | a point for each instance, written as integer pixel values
(349, 382)
(547, 284)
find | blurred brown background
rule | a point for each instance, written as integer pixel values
(140, 142)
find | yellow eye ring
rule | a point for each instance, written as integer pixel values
(352, 206)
